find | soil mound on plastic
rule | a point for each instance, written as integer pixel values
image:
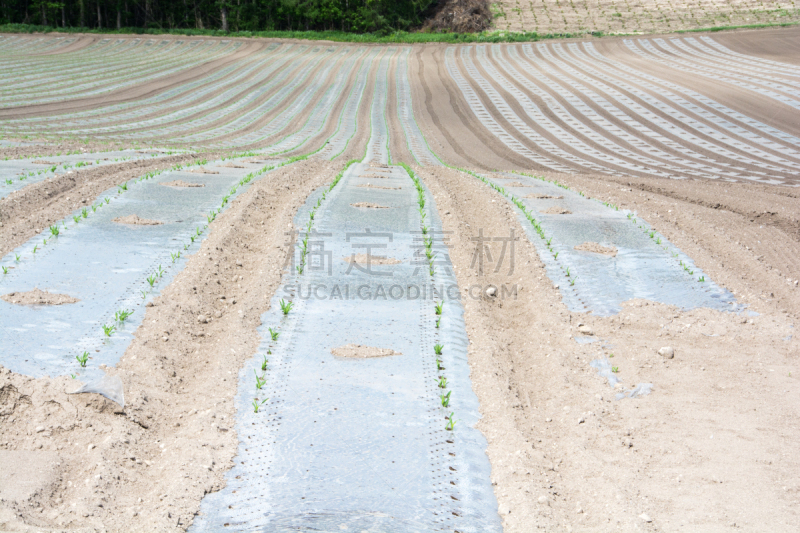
(460, 16)
(181, 183)
(358, 351)
(369, 205)
(557, 211)
(134, 220)
(38, 297)
(232, 165)
(202, 170)
(538, 196)
(597, 248)
(363, 259)
(371, 186)
(515, 184)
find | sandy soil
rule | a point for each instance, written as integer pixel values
(147, 468)
(711, 448)
(597, 248)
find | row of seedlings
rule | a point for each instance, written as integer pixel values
(649, 231)
(441, 382)
(286, 307)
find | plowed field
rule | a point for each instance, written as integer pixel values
(309, 286)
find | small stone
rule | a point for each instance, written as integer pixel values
(150, 304)
(556, 286)
(503, 509)
(543, 499)
(238, 263)
(666, 352)
(91, 447)
(581, 420)
(548, 419)
(491, 291)
(201, 319)
(39, 429)
(166, 339)
(646, 518)
(586, 330)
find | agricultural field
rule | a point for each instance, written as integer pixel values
(637, 16)
(274, 285)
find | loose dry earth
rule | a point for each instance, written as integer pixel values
(697, 135)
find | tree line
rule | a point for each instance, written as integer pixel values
(227, 15)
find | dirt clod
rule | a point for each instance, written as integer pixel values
(369, 205)
(181, 183)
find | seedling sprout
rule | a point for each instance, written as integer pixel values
(286, 306)
(109, 330)
(438, 349)
(274, 334)
(257, 404)
(260, 380)
(82, 359)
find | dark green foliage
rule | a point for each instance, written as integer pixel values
(360, 16)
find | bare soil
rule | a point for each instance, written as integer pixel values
(709, 449)
(147, 468)
(181, 183)
(365, 259)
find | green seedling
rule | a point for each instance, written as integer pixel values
(44, 242)
(299, 269)
(107, 200)
(192, 237)
(274, 334)
(124, 186)
(35, 247)
(5, 270)
(109, 330)
(615, 369)
(122, 315)
(144, 294)
(555, 256)
(451, 422)
(54, 231)
(438, 349)
(432, 270)
(94, 208)
(257, 405)
(701, 279)
(260, 380)
(160, 272)
(286, 306)
(439, 364)
(76, 218)
(567, 271)
(572, 281)
(73, 376)
(439, 308)
(82, 358)
(17, 257)
(175, 256)
(264, 364)
(549, 241)
(185, 246)
(9, 182)
(199, 232)
(84, 212)
(151, 280)
(658, 240)
(611, 355)
(438, 320)
(442, 383)
(445, 399)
